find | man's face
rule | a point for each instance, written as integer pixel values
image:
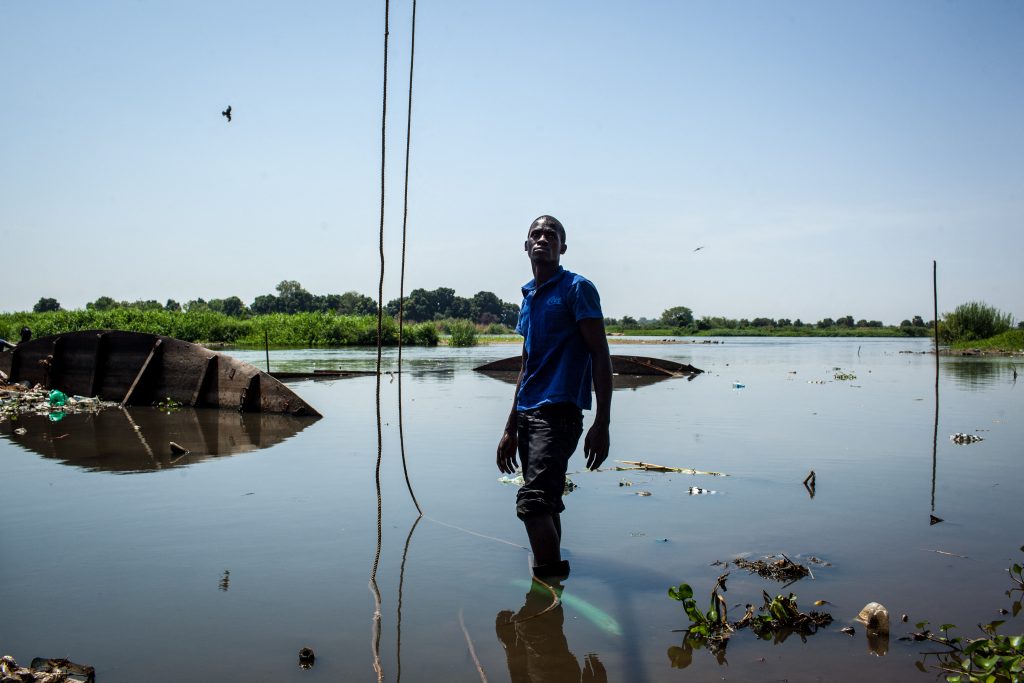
(543, 243)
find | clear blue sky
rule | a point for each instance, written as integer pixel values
(823, 153)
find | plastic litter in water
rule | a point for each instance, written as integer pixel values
(58, 398)
(737, 385)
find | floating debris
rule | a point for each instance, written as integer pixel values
(782, 570)
(698, 491)
(45, 671)
(643, 493)
(961, 438)
(842, 375)
(625, 482)
(651, 467)
(16, 400)
(737, 385)
(848, 630)
(875, 616)
(306, 658)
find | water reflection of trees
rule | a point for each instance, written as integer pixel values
(978, 373)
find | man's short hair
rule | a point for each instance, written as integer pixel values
(551, 219)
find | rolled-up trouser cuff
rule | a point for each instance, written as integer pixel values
(547, 439)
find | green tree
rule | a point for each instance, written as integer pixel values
(172, 305)
(46, 304)
(232, 306)
(265, 304)
(354, 303)
(104, 303)
(677, 316)
(293, 298)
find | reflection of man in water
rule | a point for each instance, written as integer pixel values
(564, 346)
(535, 646)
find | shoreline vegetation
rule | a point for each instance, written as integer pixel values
(329, 329)
(295, 317)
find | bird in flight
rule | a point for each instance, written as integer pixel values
(227, 113)
(697, 249)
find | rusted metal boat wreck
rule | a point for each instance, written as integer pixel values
(135, 368)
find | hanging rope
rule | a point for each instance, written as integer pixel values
(376, 627)
(401, 286)
(380, 287)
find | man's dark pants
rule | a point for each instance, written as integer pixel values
(547, 436)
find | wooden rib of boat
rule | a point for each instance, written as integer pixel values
(135, 368)
(621, 365)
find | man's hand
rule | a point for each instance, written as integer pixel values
(507, 448)
(595, 446)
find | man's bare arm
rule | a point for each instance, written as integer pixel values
(596, 445)
(509, 442)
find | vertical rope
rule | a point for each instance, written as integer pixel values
(375, 631)
(401, 288)
(380, 286)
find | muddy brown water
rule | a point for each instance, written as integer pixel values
(221, 566)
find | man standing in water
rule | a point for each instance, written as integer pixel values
(564, 350)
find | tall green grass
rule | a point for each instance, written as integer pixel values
(208, 327)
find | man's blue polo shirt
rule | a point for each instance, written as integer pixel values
(558, 365)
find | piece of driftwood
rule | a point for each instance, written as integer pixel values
(650, 467)
(134, 368)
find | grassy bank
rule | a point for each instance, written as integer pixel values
(1011, 341)
(207, 327)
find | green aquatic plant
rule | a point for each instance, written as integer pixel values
(169, 405)
(779, 618)
(710, 624)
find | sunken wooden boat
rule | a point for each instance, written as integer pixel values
(135, 368)
(136, 439)
(621, 365)
(629, 372)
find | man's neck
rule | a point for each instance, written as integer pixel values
(542, 272)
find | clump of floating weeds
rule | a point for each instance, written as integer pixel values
(842, 375)
(776, 620)
(169, 405)
(991, 658)
(783, 570)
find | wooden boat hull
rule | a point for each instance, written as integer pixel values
(135, 368)
(134, 440)
(621, 365)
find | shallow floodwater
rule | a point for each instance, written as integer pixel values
(221, 568)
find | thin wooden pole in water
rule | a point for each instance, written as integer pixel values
(935, 428)
(266, 347)
(935, 318)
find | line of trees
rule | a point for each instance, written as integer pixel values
(682, 318)
(420, 305)
(970, 321)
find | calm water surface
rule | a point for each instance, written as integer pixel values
(220, 566)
